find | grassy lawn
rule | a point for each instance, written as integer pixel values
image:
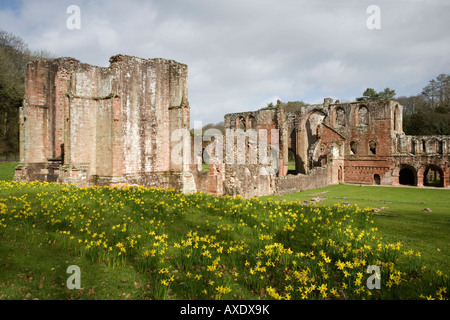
(147, 243)
(7, 170)
(403, 218)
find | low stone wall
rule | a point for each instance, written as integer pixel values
(9, 158)
(318, 178)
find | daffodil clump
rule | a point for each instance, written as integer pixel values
(198, 246)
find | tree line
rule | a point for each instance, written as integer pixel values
(428, 113)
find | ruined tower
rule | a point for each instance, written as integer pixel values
(92, 125)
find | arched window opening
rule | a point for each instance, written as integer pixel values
(433, 177)
(396, 118)
(340, 117)
(241, 124)
(363, 115)
(251, 122)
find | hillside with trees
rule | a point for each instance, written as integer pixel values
(428, 113)
(14, 56)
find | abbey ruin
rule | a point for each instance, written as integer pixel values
(89, 125)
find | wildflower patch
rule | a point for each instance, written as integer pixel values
(198, 246)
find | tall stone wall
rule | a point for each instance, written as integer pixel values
(88, 125)
(370, 131)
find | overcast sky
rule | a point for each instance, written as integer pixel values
(243, 54)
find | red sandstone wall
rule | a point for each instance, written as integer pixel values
(114, 123)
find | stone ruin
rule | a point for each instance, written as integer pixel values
(89, 125)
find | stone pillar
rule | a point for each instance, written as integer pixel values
(284, 139)
(420, 177)
(301, 147)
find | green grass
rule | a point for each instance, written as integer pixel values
(403, 219)
(147, 243)
(291, 165)
(7, 170)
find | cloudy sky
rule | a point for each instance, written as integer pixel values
(243, 54)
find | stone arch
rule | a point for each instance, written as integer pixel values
(240, 123)
(433, 176)
(308, 137)
(251, 122)
(407, 175)
(433, 145)
(377, 179)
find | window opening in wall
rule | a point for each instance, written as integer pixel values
(433, 177)
(242, 124)
(413, 146)
(252, 122)
(373, 147)
(353, 147)
(395, 119)
(363, 115)
(291, 162)
(340, 117)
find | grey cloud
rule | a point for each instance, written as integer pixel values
(242, 54)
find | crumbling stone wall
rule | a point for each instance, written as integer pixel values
(90, 125)
(357, 142)
(416, 155)
(122, 124)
